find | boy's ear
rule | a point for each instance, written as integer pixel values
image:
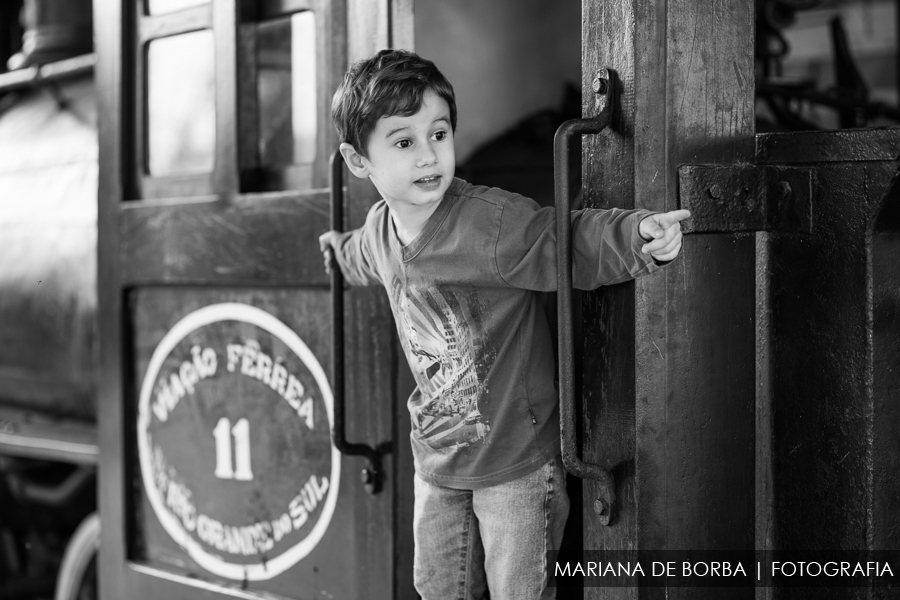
(354, 161)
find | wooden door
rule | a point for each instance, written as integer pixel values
(669, 376)
(218, 477)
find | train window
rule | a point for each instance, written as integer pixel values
(290, 140)
(159, 7)
(181, 111)
(219, 114)
(287, 97)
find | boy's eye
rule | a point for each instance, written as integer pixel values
(439, 135)
(403, 143)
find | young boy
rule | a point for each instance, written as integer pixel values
(462, 265)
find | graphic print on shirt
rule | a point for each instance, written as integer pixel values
(443, 335)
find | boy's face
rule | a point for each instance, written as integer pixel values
(412, 160)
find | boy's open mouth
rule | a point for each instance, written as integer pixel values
(429, 183)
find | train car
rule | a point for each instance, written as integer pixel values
(190, 407)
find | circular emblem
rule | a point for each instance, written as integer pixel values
(234, 422)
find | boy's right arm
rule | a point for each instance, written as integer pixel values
(327, 242)
(351, 253)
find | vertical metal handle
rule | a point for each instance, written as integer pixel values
(372, 475)
(603, 85)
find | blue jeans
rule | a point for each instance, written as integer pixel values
(494, 538)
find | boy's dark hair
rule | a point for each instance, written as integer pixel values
(392, 82)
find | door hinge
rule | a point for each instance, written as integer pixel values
(729, 198)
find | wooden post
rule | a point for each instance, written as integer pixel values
(111, 429)
(669, 361)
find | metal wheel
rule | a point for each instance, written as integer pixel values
(79, 555)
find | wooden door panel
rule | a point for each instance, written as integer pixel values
(180, 241)
(259, 238)
(268, 505)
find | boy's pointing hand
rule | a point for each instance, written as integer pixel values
(663, 234)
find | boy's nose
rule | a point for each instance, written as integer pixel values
(428, 156)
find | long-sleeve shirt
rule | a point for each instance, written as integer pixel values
(465, 299)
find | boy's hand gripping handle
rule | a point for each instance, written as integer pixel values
(604, 83)
(371, 476)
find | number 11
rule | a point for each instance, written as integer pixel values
(241, 433)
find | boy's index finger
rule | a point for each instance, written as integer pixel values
(668, 219)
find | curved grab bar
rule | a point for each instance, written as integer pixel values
(604, 86)
(371, 476)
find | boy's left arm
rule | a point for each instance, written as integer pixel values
(662, 232)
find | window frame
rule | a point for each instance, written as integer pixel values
(237, 168)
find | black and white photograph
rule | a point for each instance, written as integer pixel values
(449, 299)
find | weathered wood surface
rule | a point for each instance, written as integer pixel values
(402, 24)
(154, 310)
(835, 340)
(270, 239)
(368, 28)
(821, 369)
(268, 9)
(669, 361)
(112, 495)
(226, 172)
(828, 146)
(885, 412)
(192, 19)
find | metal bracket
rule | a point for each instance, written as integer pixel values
(729, 198)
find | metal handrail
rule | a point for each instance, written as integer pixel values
(371, 476)
(34, 76)
(604, 86)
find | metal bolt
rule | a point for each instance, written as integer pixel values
(601, 508)
(784, 188)
(367, 476)
(715, 191)
(599, 85)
